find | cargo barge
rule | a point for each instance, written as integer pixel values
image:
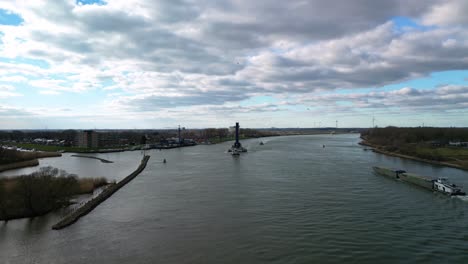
(441, 184)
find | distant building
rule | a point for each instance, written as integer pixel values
(458, 144)
(88, 139)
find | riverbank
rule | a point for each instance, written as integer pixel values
(12, 159)
(60, 149)
(19, 165)
(63, 149)
(379, 149)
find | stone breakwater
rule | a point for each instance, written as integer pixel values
(91, 157)
(105, 194)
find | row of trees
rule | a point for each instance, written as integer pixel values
(19, 135)
(131, 137)
(9, 156)
(39, 192)
(398, 135)
(422, 142)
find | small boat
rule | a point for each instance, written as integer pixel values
(444, 186)
(261, 143)
(235, 152)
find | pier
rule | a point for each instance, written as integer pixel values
(91, 157)
(104, 195)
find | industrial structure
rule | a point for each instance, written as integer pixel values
(237, 148)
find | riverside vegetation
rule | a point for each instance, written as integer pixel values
(12, 159)
(425, 143)
(41, 192)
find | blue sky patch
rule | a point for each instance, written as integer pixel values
(403, 24)
(35, 62)
(258, 100)
(90, 2)
(430, 82)
(9, 18)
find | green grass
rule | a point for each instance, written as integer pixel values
(444, 152)
(452, 155)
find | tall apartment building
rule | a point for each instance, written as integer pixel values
(88, 139)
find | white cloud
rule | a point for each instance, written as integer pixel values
(169, 55)
(440, 100)
(448, 12)
(13, 79)
(6, 91)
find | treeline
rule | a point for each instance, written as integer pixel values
(400, 135)
(68, 135)
(131, 137)
(8, 156)
(41, 192)
(221, 133)
(428, 143)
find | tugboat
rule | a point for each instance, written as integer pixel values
(444, 186)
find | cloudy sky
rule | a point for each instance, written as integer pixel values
(209, 63)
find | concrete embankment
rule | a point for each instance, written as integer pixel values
(19, 165)
(91, 204)
(91, 157)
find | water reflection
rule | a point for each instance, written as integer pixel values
(289, 200)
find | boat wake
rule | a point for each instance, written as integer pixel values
(462, 197)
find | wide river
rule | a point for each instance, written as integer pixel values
(288, 201)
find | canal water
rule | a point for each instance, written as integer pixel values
(288, 201)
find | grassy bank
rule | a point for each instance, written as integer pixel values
(19, 165)
(13, 159)
(41, 192)
(428, 144)
(451, 157)
(10, 156)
